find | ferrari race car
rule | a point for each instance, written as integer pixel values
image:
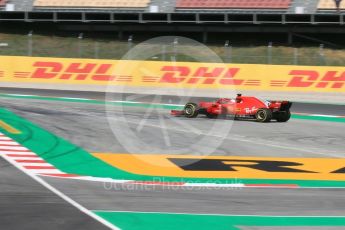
(241, 107)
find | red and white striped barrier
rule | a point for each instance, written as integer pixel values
(26, 159)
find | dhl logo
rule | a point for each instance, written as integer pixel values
(310, 78)
(75, 71)
(201, 75)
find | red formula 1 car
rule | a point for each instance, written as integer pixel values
(240, 107)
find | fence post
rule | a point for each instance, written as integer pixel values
(129, 46)
(30, 48)
(228, 51)
(269, 53)
(175, 44)
(96, 50)
(295, 56)
(322, 54)
(80, 48)
(163, 52)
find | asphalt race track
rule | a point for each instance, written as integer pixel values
(282, 202)
(33, 205)
(86, 125)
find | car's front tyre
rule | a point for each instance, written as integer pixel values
(191, 110)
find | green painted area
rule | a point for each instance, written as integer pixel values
(171, 221)
(318, 118)
(146, 105)
(72, 159)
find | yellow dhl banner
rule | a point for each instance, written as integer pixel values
(172, 74)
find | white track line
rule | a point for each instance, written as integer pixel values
(45, 171)
(34, 164)
(20, 95)
(31, 174)
(74, 98)
(215, 214)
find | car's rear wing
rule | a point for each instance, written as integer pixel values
(285, 105)
(280, 105)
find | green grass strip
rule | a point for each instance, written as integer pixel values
(171, 221)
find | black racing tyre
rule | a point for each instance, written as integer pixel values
(263, 115)
(191, 110)
(284, 116)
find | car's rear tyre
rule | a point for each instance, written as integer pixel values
(263, 115)
(284, 116)
(191, 110)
